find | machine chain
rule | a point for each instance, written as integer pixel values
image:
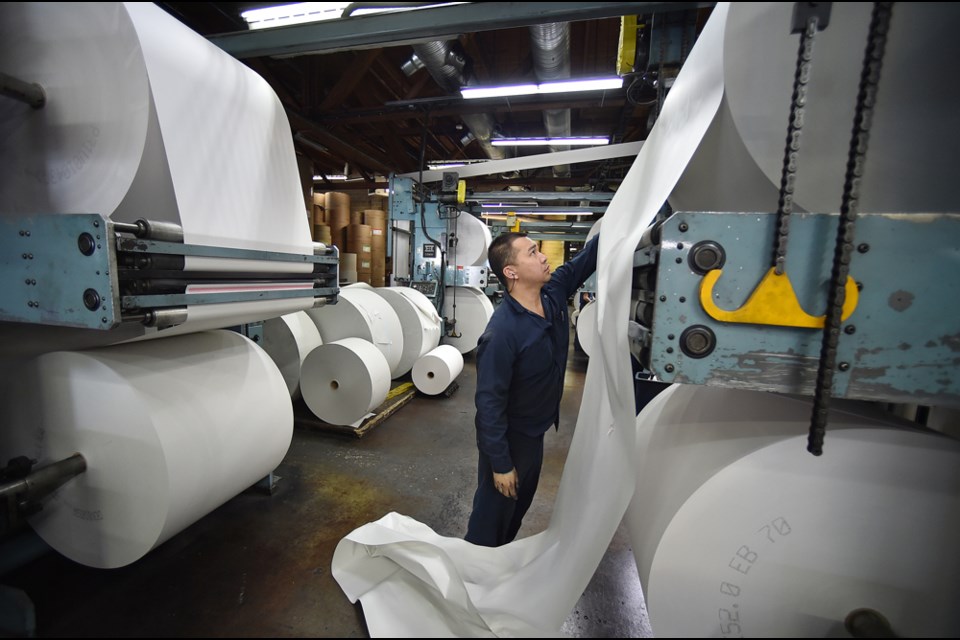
(794, 129)
(866, 100)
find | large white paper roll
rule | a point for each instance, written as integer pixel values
(342, 381)
(113, 139)
(587, 330)
(473, 311)
(361, 313)
(732, 515)
(170, 430)
(288, 340)
(434, 372)
(909, 166)
(420, 321)
(473, 240)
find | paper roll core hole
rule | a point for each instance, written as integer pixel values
(430, 374)
(334, 385)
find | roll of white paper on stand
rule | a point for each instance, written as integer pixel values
(420, 322)
(170, 430)
(288, 340)
(473, 240)
(732, 515)
(587, 327)
(435, 371)
(361, 313)
(472, 312)
(342, 381)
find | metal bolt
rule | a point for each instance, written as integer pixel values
(28, 280)
(844, 366)
(28, 234)
(668, 368)
(863, 247)
(683, 299)
(24, 256)
(680, 246)
(679, 260)
(669, 349)
(22, 232)
(683, 226)
(30, 303)
(663, 298)
(859, 286)
(670, 337)
(96, 223)
(850, 330)
(103, 320)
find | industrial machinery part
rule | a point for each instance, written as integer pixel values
(86, 271)
(23, 488)
(900, 334)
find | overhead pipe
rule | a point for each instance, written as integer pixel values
(550, 46)
(447, 68)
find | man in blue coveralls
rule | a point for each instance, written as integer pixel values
(521, 362)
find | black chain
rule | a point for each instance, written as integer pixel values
(866, 99)
(788, 177)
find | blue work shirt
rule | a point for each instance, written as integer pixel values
(521, 362)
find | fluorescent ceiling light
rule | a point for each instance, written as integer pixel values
(542, 142)
(561, 86)
(302, 12)
(503, 216)
(330, 177)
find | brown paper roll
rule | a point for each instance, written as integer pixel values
(359, 242)
(319, 199)
(356, 217)
(319, 214)
(337, 207)
(377, 219)
(321, 233)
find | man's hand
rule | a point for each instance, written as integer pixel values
(507, 483)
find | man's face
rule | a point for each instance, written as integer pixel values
(528, 264)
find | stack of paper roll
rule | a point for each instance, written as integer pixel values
(348, 268)
(359, 242)
(435, 371)
(344, 380)
(288, 340)
(473, 239)
(181, 426)
(361, 313)
(472, 310)
(420, 322)
(337, 207)
(356, 217)
(377, 220)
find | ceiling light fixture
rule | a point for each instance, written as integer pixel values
(561, 86)
(338, 176)
(542, 142)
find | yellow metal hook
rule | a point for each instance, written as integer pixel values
(773, 302)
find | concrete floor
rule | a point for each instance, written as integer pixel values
(260, 565)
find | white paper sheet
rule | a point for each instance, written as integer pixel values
(530, 585)
(159, 425)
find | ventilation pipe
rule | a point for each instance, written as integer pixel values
(447, 68)
(550, 46)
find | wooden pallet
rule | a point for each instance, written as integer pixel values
(399, 395)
